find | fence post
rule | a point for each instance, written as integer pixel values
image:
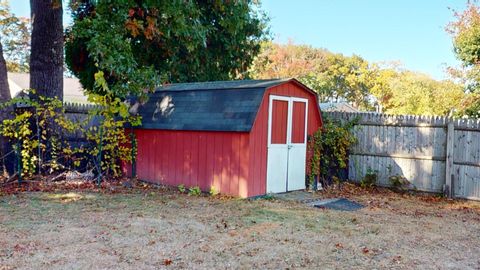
(449, 159)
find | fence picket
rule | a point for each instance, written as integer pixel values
(424, 149)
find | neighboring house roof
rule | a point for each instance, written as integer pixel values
(207, 106)
(72, 89)
(337, 107)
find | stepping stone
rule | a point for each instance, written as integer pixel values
(340, 204)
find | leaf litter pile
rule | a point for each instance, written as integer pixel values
(139, 226)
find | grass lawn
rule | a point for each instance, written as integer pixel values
(163, 229)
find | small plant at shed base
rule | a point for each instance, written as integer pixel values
(194, 191)
(399, 182)
(181, 188)
(213, 191)
(268, 197)
(370, 178)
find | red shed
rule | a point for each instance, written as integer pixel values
(244, 138)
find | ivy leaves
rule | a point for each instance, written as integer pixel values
(330, 149)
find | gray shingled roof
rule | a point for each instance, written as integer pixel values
(218, 85)
(208, 106)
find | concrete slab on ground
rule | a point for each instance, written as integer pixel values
(300, 196)
(315, 200)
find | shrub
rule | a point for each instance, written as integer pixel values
(213, 191)
(182, 188)
(399, 182)
(328, 148)
(370, 178)
(194, 191)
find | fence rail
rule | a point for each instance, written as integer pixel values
(435, 154)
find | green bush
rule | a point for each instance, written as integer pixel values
(181, 188)
(370, 178)
(328, 148)
(399, 182)
(194, 191)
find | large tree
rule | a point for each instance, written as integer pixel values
(46, 59)
(5, 146)
(4, 88)
(137, 44)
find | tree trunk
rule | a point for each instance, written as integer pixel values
(7, 162)
(46, 58)
(4, 88)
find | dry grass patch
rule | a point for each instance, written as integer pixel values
(151, 230)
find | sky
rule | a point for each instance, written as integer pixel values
(409, 31)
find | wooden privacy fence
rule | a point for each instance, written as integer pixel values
(78, 113)
(435, 154)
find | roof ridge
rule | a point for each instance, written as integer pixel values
(218, 85)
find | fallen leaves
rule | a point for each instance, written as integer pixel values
(151, 243)
(229, 233)
(25, 248)
(110, 186)
(397, 259)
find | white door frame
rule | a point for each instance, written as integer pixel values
(297, 153)
(270, 102)
(288, 143)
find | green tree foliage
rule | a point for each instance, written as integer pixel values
(288, 60)
(138, 45)
(407, 92)
(348, 79)
(333, 76)
(466, 35)
(465, 31)
(336, 77)
(15, 35)
(470, 106)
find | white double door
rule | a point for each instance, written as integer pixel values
(287, 143)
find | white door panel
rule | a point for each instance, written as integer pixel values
(277, 169)
(286, 161)
(296, 167)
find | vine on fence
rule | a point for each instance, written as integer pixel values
(38, 133)
(40, 150)
(329, 149)
(110, 137)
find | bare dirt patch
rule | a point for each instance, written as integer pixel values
(151, 229)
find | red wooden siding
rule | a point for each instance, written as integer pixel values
(194, 158)
(279, 121)
(234, 163)
(298, 122)
(258, 134)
